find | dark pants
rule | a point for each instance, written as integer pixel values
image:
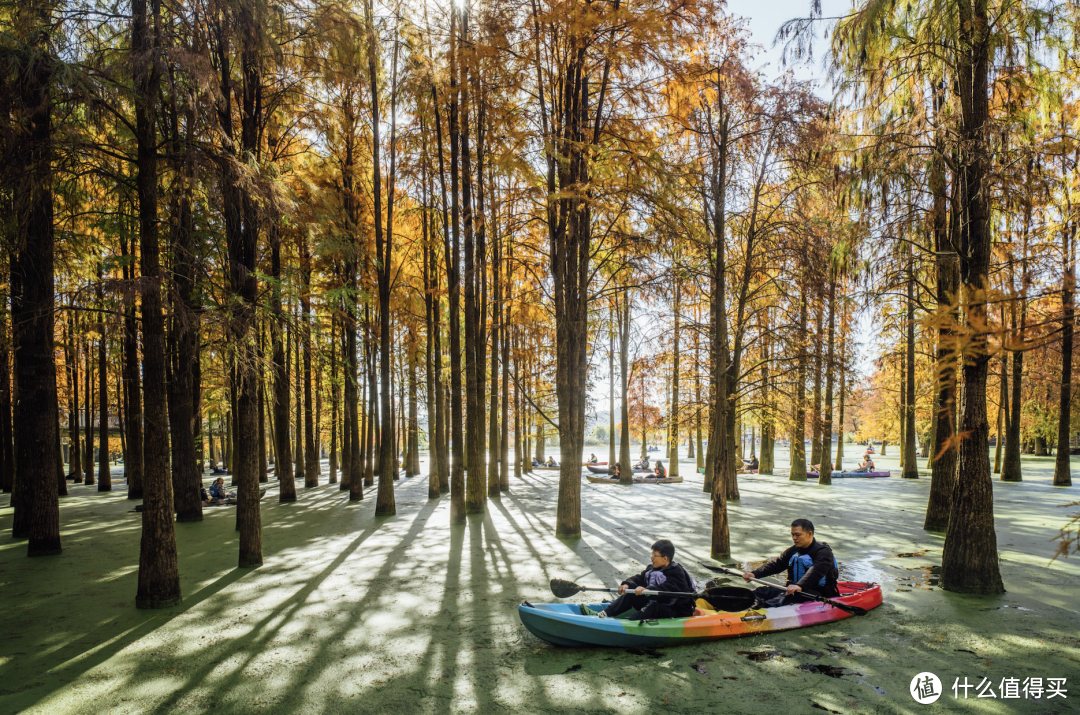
(646, 610)
(773, 596)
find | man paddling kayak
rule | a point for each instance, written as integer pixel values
(810, 565)
(663, 574)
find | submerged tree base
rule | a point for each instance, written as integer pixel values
(150, 602)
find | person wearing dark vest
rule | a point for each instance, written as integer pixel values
(810, 565)
(663, 574)
(659, 472)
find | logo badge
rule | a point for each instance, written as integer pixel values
(925, 688)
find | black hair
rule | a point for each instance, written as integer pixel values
(665, 548)
(804, 524)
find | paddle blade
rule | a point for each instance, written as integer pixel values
(564, 589)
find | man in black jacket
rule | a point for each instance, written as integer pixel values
(662, 575)
(810, 564)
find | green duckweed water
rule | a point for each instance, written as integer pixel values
(353, 614)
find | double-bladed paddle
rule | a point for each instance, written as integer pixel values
(853, 610)
(565, 589)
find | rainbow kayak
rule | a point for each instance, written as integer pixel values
(563, 624)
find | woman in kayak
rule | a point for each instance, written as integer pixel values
(663, 574)
(592, 459)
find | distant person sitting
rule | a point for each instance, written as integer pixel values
(592, 459)
(748, 465)
(218, 493)
(643, 464)
(536, 462)
(867, 465)
(659, 472)
(551, 462)
(616, 471)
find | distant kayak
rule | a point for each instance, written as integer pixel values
(594, 464)
(841, 475)
(637, 480)
(595, 469)
(563, 624)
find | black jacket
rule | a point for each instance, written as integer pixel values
(675, 579)
(824, 565)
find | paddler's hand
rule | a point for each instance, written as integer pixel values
(639, 590)
(622, 588)
(748, 577)
(793, 588)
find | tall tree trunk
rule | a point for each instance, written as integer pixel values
(825, 473)
(104, 468)
(765, 461)
(298, 397)
(133, 425)
(969, 562)
(674, 415)
(457, 465)
(815, 414)
(623, 313)
(910, 469)
(283, 464)
(946, 454)
(89, 412)
(611, 386)
(184, 338)
(37, 504)
(1062, 470)
(430, 317)
(384, 246)
(311, 456)
(1003, 411)
(474, 438)
(333, 402)
(504, 430)
(494, 440)
(413, 427)
(74, 452)
(159, 576)
(840, 426)
(798, 433)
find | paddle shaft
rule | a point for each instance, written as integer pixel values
(643, 593)
(854, 610)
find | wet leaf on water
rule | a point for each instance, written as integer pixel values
(700, 668)
(758, 655)
(830, 670)
(572, 669)
(910, 555)
(651, 652)
(822, 707)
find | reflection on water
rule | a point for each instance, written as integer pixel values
(866, 570)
